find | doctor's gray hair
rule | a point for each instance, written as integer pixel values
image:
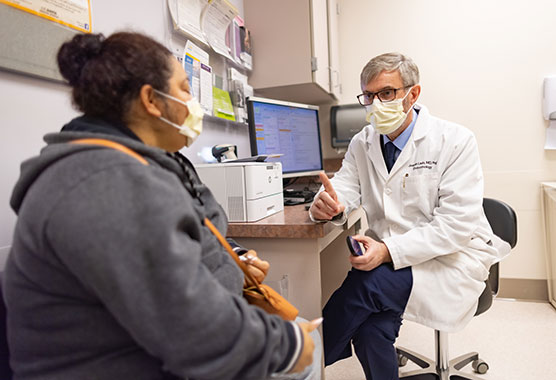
(390, 62)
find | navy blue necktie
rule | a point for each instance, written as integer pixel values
(390, 155)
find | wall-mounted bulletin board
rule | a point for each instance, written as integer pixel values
(31, 32)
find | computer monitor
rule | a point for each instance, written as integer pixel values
(346, 120)
(290, 129)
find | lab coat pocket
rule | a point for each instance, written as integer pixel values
(419, 195)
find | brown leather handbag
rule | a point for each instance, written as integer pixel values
(260, 295)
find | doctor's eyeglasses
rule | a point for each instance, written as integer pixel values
(386, 95)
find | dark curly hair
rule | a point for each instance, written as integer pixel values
(107, 74)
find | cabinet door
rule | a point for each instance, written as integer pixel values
(319, 31)
(281, 37)
(334, 48)
(290, 49)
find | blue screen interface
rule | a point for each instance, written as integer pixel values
(291, 131)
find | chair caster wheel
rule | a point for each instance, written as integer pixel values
(480, 366)
(402, 360)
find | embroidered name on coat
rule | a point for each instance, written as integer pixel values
(423, 165)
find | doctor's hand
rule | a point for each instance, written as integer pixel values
(257, 268)
(376, 253)
(326, 205)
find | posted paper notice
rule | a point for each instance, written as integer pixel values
(75, 14)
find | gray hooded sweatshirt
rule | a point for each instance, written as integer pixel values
(112, 274)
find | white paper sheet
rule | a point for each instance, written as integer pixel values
(189, 17)
(205, 98)
(186, 15)
(196, 65)
(196, 52)
(215, 20)
(550, 143)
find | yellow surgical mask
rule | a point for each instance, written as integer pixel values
(192, 126)
(386, 117)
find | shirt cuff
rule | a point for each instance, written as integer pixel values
(313, 219)
(236, 247)
(394, 251)
(338, 220)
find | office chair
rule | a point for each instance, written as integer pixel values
(5, 371)
(503, 222)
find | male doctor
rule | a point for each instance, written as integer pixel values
(420, 182)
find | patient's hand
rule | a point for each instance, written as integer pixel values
(306, 356)
(257, 267)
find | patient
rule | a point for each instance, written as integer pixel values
(112, 274)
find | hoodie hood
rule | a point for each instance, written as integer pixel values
(58, 148)
(94, 125)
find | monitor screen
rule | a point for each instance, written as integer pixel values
(290, 129)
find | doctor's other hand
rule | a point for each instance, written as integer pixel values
(376, 253)
(257, 268)
(326, 204)
(306, 356)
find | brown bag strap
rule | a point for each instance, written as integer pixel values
(211, 227)
(234, 255)
(113, 145)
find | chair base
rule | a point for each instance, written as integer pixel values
(430, 370)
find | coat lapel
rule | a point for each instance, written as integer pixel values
(375, 153)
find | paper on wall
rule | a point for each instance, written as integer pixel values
(206, 89)
(75, 14)
(192, 68)
(550, 143)
(239, 90)
(223, 107)
(189, 17)
(236, 75)
(196, 65)
(234, 38)
(215, 20)
(186, 15)
(196, 52)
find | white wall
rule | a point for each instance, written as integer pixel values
(31, 107)
(482, 64)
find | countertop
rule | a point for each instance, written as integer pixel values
(291, 223)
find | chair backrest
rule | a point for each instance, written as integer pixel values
(503, 221)
(5, 371)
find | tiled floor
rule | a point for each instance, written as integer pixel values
(517, 340)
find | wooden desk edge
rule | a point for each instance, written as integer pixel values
(292, 223)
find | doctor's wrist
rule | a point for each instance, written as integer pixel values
(385, 253)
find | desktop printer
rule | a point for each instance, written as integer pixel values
(248, 191)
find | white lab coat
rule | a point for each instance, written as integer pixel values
(428, 211)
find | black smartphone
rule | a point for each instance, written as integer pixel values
(354, 246)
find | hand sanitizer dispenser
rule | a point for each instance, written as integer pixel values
(549, 110)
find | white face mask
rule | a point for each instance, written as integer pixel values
(192, 126)
(387, 117)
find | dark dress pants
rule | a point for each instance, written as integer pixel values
(366, 310)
